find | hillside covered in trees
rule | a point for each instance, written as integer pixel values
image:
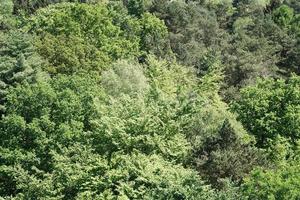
(150, 99)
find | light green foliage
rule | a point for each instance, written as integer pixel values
(149, 177)
(80, 174)
(170, 79)
(125, 78)
(283, 15)
(6, 8)
(125, 99)
(270, 108)
(76, 37)
(67, 139)
(127, 124)
(280, 149)
(155, 115)
(279, 183)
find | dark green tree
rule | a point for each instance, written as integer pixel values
(227, 156)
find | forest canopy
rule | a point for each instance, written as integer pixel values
(150, 99)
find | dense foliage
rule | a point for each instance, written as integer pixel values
(150, 99)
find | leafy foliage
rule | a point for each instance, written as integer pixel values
(272, 112)
(75, 37)
(149, 99)
(7, 20)
(68, 120)
(279, 183)
(19, 61)
(227, 156)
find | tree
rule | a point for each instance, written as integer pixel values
(269, 109)
(289, 22)
(137, 7)
(194, 32)
(227, 156)
(125, 78)
(76, 37)
(19, 62)
(279, 183)
(7, 20)
(149, 99)
(283, 15)
(66, 138)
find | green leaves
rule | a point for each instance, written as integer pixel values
(110, 99)
(283, 15)
(270, 108)
(76, 37)
(19, 62)
(279, 183)
(125, 78)
(227, 156)
(84, 141)
(7, 20)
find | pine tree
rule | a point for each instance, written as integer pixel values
(18, 62)
(6, 17)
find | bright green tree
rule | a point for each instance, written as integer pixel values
(270, 108)
(65, 138)
(279, 183)
(76, 37)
